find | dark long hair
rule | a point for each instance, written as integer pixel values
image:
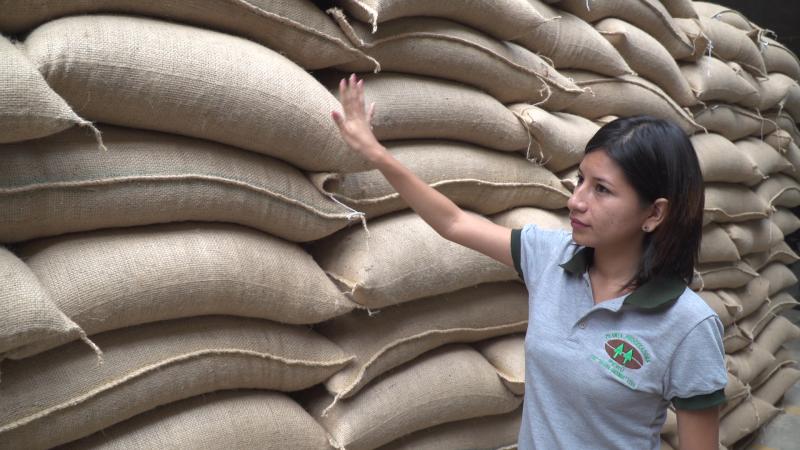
(659, 161)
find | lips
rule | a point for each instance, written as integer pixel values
(577, 223)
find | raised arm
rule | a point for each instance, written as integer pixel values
(444, 216)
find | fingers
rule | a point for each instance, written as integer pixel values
(371, 112)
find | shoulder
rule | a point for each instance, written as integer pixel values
(691, 309)
(559, 240)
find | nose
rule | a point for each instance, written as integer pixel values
(576, 201)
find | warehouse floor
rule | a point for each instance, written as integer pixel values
(783, 433)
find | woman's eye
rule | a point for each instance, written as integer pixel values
(601, 189)
(579, 180)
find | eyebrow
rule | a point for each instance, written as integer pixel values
(602, 180)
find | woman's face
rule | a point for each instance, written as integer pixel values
(605, 210)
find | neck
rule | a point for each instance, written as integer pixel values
(617, 264)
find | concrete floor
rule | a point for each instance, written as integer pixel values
(783, 433)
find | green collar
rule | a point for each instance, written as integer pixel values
(653, 294)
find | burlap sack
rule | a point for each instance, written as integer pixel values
(716, 246)
(559, 139)
(722, 161)
(745, 419)
(402, 259)
(443, 49)
(779, 276)
(754, 236)
(750, 296)
(62, 395)
(732, 44)
(780, 253)
(712, 80)
(783, 120)
(726, 307)
(189, 81)
(58, 184)
(777, 332)
(416, 107)
(783, 358)
(735, 393)
(680, 8)
(785, 220)
(398, 334)
(722, 275)
(478, 179)
(571, 43)
(648, 58)
(792, 102)
(793, 155)
(778, 58)
(649, 15)
(622, 96)
(97, 280)
(226, 419)
(722, 13)
(780, 190)
(734, 339)
(726, 202)
(519, 217)
(499, 431)
(29, 108)
(507, 355)
(777, 385)
(297, 29)
(503, 19)
(694, 32)
(753, 324)
(29, 314)
(774, 90)
(732, 121)
(747, 363)
(768, 160)
(779, 140)
(448, 384)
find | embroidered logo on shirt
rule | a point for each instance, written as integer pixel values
(624, 353)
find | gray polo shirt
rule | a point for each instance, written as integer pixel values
(601, 376)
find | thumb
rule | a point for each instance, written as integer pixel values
(337, 118)
(371, 112)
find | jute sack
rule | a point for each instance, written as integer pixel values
(727, 202)
(722, 161)
(732, 121)
(443, 49)
(768, 160)
(519, 217)
(29, 314)
(297, 29)
(226, 419)
(774, 90)
(713, 80)
(792, 102)
(778, 384)
(97, 279)
(622, 96)
(785, 220)
(780, 190)
(448, 384)
(649, 15)
(750, 296)
(735, 393)
(778, 58)
(745, 419)
(783, 358)
(722, 13)
(734, 339)
(777, 332)
(680, 8)
(694, 32)
(779, 140)
(783, 120)
(754, 235)
(716, 246)
(779, 276)
(753, 324)
(722, 275)
(732, 44)
(478, 179)
(793, 155)
(402, 259)
(63, 395)
(571, 43)
(189, 81)
(499, 431)
(398, 334)
(507, 355)
(648, 58)
(747, 363)
(781, 253)
(29, 108)
(503, 19)
(559, 139)
(416, 107)
(58, 184)
(726, 307)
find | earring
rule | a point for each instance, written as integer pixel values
(646, 229)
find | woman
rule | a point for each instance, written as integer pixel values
(614, 334)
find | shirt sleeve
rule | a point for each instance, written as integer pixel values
(532, 247)
(696, 376)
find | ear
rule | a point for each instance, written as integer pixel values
(657, 213)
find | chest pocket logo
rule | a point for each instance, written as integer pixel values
(624, 354)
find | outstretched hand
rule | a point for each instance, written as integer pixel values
(354, 124)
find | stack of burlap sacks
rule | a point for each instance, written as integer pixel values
(170, 283)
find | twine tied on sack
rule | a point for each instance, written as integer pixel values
(352, 213)
(98, 136)
(94, 347)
